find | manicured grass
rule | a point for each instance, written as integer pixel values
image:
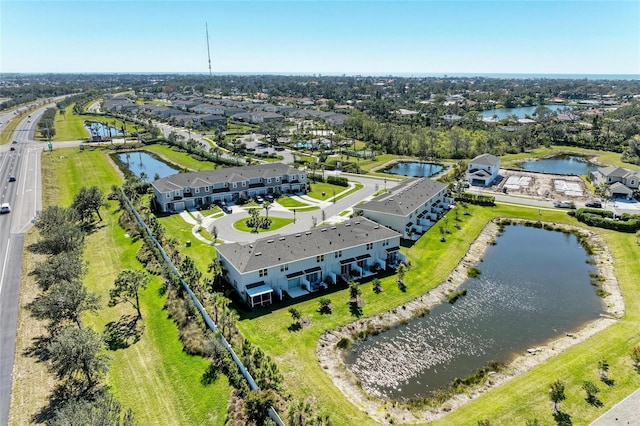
(291, 202)
(276, 223)
(345, 213)
(178, 158)
(200, 252)
(357, 186)
(324, 191)
(154, 377)
(522, 398)
(70, 127)
(306, 209)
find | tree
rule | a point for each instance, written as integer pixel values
(377, 285)
(354, 291)
(556, 394)
(591, 391)
(65, 237)
(64, 302)
(296, 316)
(635, 357)
(603, 367)
(77, 353)
(214, 231)
(65, 266)
(325, 305)
(401, 270)
(266, 205)
(126, 288)
(104, 410)
(257, 404)
(87, 202)
(51, 217)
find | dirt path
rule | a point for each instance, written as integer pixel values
(387, 411)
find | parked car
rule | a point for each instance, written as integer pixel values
(593, 204)
(269, 198)
(5, 208)
(14, 141)
(13, 148)
(565, 204)
(225, 208)
(12, 178)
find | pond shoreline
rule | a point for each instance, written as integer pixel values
(383, 411)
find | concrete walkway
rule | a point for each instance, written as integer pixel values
(626, 412)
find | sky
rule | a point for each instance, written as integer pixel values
(321, 37)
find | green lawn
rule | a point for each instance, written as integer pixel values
(357, 186)
(154, 376)
(181, 159)
(8, 133)
(276, 223)
(523, 397)
(70, 127)
(200, 252)
(291, 202)
(325, 191)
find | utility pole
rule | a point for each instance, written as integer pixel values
(208, 50)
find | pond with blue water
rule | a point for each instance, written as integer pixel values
(415, 169)
(521, 112)
(526, 295)
(139, 162)
(561, 164)
(100, 129)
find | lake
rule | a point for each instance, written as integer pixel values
(415, 169)
(101, 129)
(527, 294)
(140, 161)
(561, 164)
(519, 112)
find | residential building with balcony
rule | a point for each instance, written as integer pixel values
(297, 264)
(483, 170)
(410, 208)
(190, 190)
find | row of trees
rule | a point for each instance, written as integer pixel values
(73, 352)
(46, 124)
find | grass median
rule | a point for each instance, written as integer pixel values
(154, 376)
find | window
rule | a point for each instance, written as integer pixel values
(320, 258)
(243, 184)
(338, 254)
(197, 190)
(206, 189)
(277, 179)
(369, 246)
(262, 272)
(284, 267)
(235, 185)
(177, 193)
(269, 180)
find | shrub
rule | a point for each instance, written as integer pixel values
(344, 343)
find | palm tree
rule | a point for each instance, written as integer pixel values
(266, 205)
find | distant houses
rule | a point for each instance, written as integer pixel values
(483, 170)
(409, 208)
(296, 264)
(190, 190)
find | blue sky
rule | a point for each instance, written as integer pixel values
(328, 37)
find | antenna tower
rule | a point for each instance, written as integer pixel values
(208, 50)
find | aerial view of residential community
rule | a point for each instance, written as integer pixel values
(319, 213)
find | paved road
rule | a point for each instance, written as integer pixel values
(304, 220)
(24, 196)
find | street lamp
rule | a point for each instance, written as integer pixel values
(294, 215)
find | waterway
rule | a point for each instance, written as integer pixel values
(416, 169)
(101, 129)
(140, 162)
(519, 112)
(527, 294)
(561, 164)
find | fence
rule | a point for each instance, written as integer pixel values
(207, 319)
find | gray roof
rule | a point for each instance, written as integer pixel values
(229, 174)
(613, 171)
(618, 188)
(485, 160)
(280, 249)
(405, 198)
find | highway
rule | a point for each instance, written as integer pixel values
(25, 198)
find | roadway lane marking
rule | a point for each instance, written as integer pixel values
(4, 265)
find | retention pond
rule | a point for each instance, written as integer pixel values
(561, 164)
(415, 169)
(139, 162)
(534, 286)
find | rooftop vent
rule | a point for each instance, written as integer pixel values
(269, 241)
(333, 227)
(357, 223)
(323, 229)
(307, 233)
(259, 253)
(297, 235)
(281, 238)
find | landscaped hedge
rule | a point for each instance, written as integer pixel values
(481, 200)
(605, 219)
(337, 180)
